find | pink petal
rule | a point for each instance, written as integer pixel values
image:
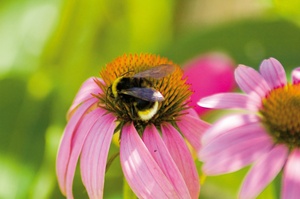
(230, 100)
(94, 155)
(209, 74)
(192, 112)
(273, 72)
(251, 82)
(291, 176)
(192, 128)
(87, 88)
(77, 143)
(66, 147)
(182, 157)
(161, 155)
(231, 138)
(296, 75)
(225, 125)
(235, 149)
(141, 171)
(263, 172)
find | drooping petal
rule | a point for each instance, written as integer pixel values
(161, 155)
(263, 172)
(273, 72)
(192, 128)
(296, 75)
(226, 124)
(230, 100)
(182, 157)
(251, 82)
(66, 146)
(94, 155)
(235, 149)
(291, 176)
(141, 171)
(87, 88)
(77, 143)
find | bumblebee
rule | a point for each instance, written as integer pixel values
(138, 92)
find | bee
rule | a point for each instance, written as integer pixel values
(138, 92)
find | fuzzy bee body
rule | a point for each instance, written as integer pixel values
(138, 92)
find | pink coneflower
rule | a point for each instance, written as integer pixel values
(154, 156)
(209, 74)
(266, 133)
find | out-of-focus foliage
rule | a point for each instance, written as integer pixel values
(288, 9)
(48, 48)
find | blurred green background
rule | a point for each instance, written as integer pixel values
(49, 47)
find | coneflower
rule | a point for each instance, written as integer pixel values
(266, 133)
(155, 159)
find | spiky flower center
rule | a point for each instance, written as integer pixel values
(172, 87)
(281, 114)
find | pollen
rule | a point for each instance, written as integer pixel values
(172, 90)
(281, 114)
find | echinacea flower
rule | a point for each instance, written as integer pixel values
(209, 74)
(155, 159)
(265, 134)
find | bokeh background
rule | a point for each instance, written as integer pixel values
(49, 47)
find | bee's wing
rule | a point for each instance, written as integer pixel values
(157, 72)
(147, 94)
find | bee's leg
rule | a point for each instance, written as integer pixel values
(134, 112)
